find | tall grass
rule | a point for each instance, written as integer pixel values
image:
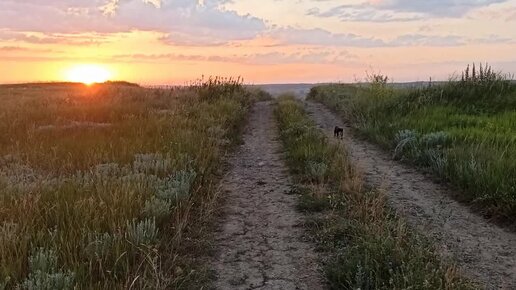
(464, 131)
(102, 187)
(364, 244)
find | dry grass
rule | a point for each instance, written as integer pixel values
(100, 185)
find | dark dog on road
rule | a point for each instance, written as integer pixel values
(338, 132)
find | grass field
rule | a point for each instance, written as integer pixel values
(100, 185)
(364, 244)
(464, 131)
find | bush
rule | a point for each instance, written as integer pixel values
(317, 170)
(157, 208)
(143, 232)
(44, 274)
(406, 143)
(177, 187)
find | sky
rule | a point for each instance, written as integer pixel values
(155, 42)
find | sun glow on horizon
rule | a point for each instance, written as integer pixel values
(88, 74)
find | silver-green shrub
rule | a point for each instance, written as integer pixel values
(52, 281)
(43, 260)
(317, 170)
(44, 274)
(178, 186)
(156, 207)
(142, 232)
(436, 160)
(406, 142)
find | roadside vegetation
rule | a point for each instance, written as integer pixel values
(109, 186)
(364, 244)
(464, 131)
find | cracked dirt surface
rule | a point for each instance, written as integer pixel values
(485, 252)
(261, 243)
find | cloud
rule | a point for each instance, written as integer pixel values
(401, 10)
(427, 40)
(496, 13)
(324, 38)
(318, 36)
(444, 40)
(493, 38)
(186, 21)
(311, 56)
(53, 16)
(46, 58)
(12, 48)
(19, 50)
(53, 38)
(141, 57)
(446, 8)
(362, 13)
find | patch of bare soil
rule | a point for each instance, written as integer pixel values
(261, 242)
(485, 252)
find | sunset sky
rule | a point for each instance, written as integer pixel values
(265, 41)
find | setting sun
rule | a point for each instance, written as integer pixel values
(88, 74)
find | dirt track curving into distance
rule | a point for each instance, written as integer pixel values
(485, 252)
(260, 243)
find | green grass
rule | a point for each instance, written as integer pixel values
(364, 245)
(463, 131)
(110, 186)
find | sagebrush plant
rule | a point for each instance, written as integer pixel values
(142, 232)
(157, 208)
(462, 130)
(177, 187)
(44, 273)
(364, 244)
(406, 141)
(317, 170)
(82, 170)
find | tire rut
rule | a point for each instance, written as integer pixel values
(485, 252)
(260, 243)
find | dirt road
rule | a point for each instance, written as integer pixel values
(483, 251)
(260, 244)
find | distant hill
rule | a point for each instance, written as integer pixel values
(121, 83)
(66, 84)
